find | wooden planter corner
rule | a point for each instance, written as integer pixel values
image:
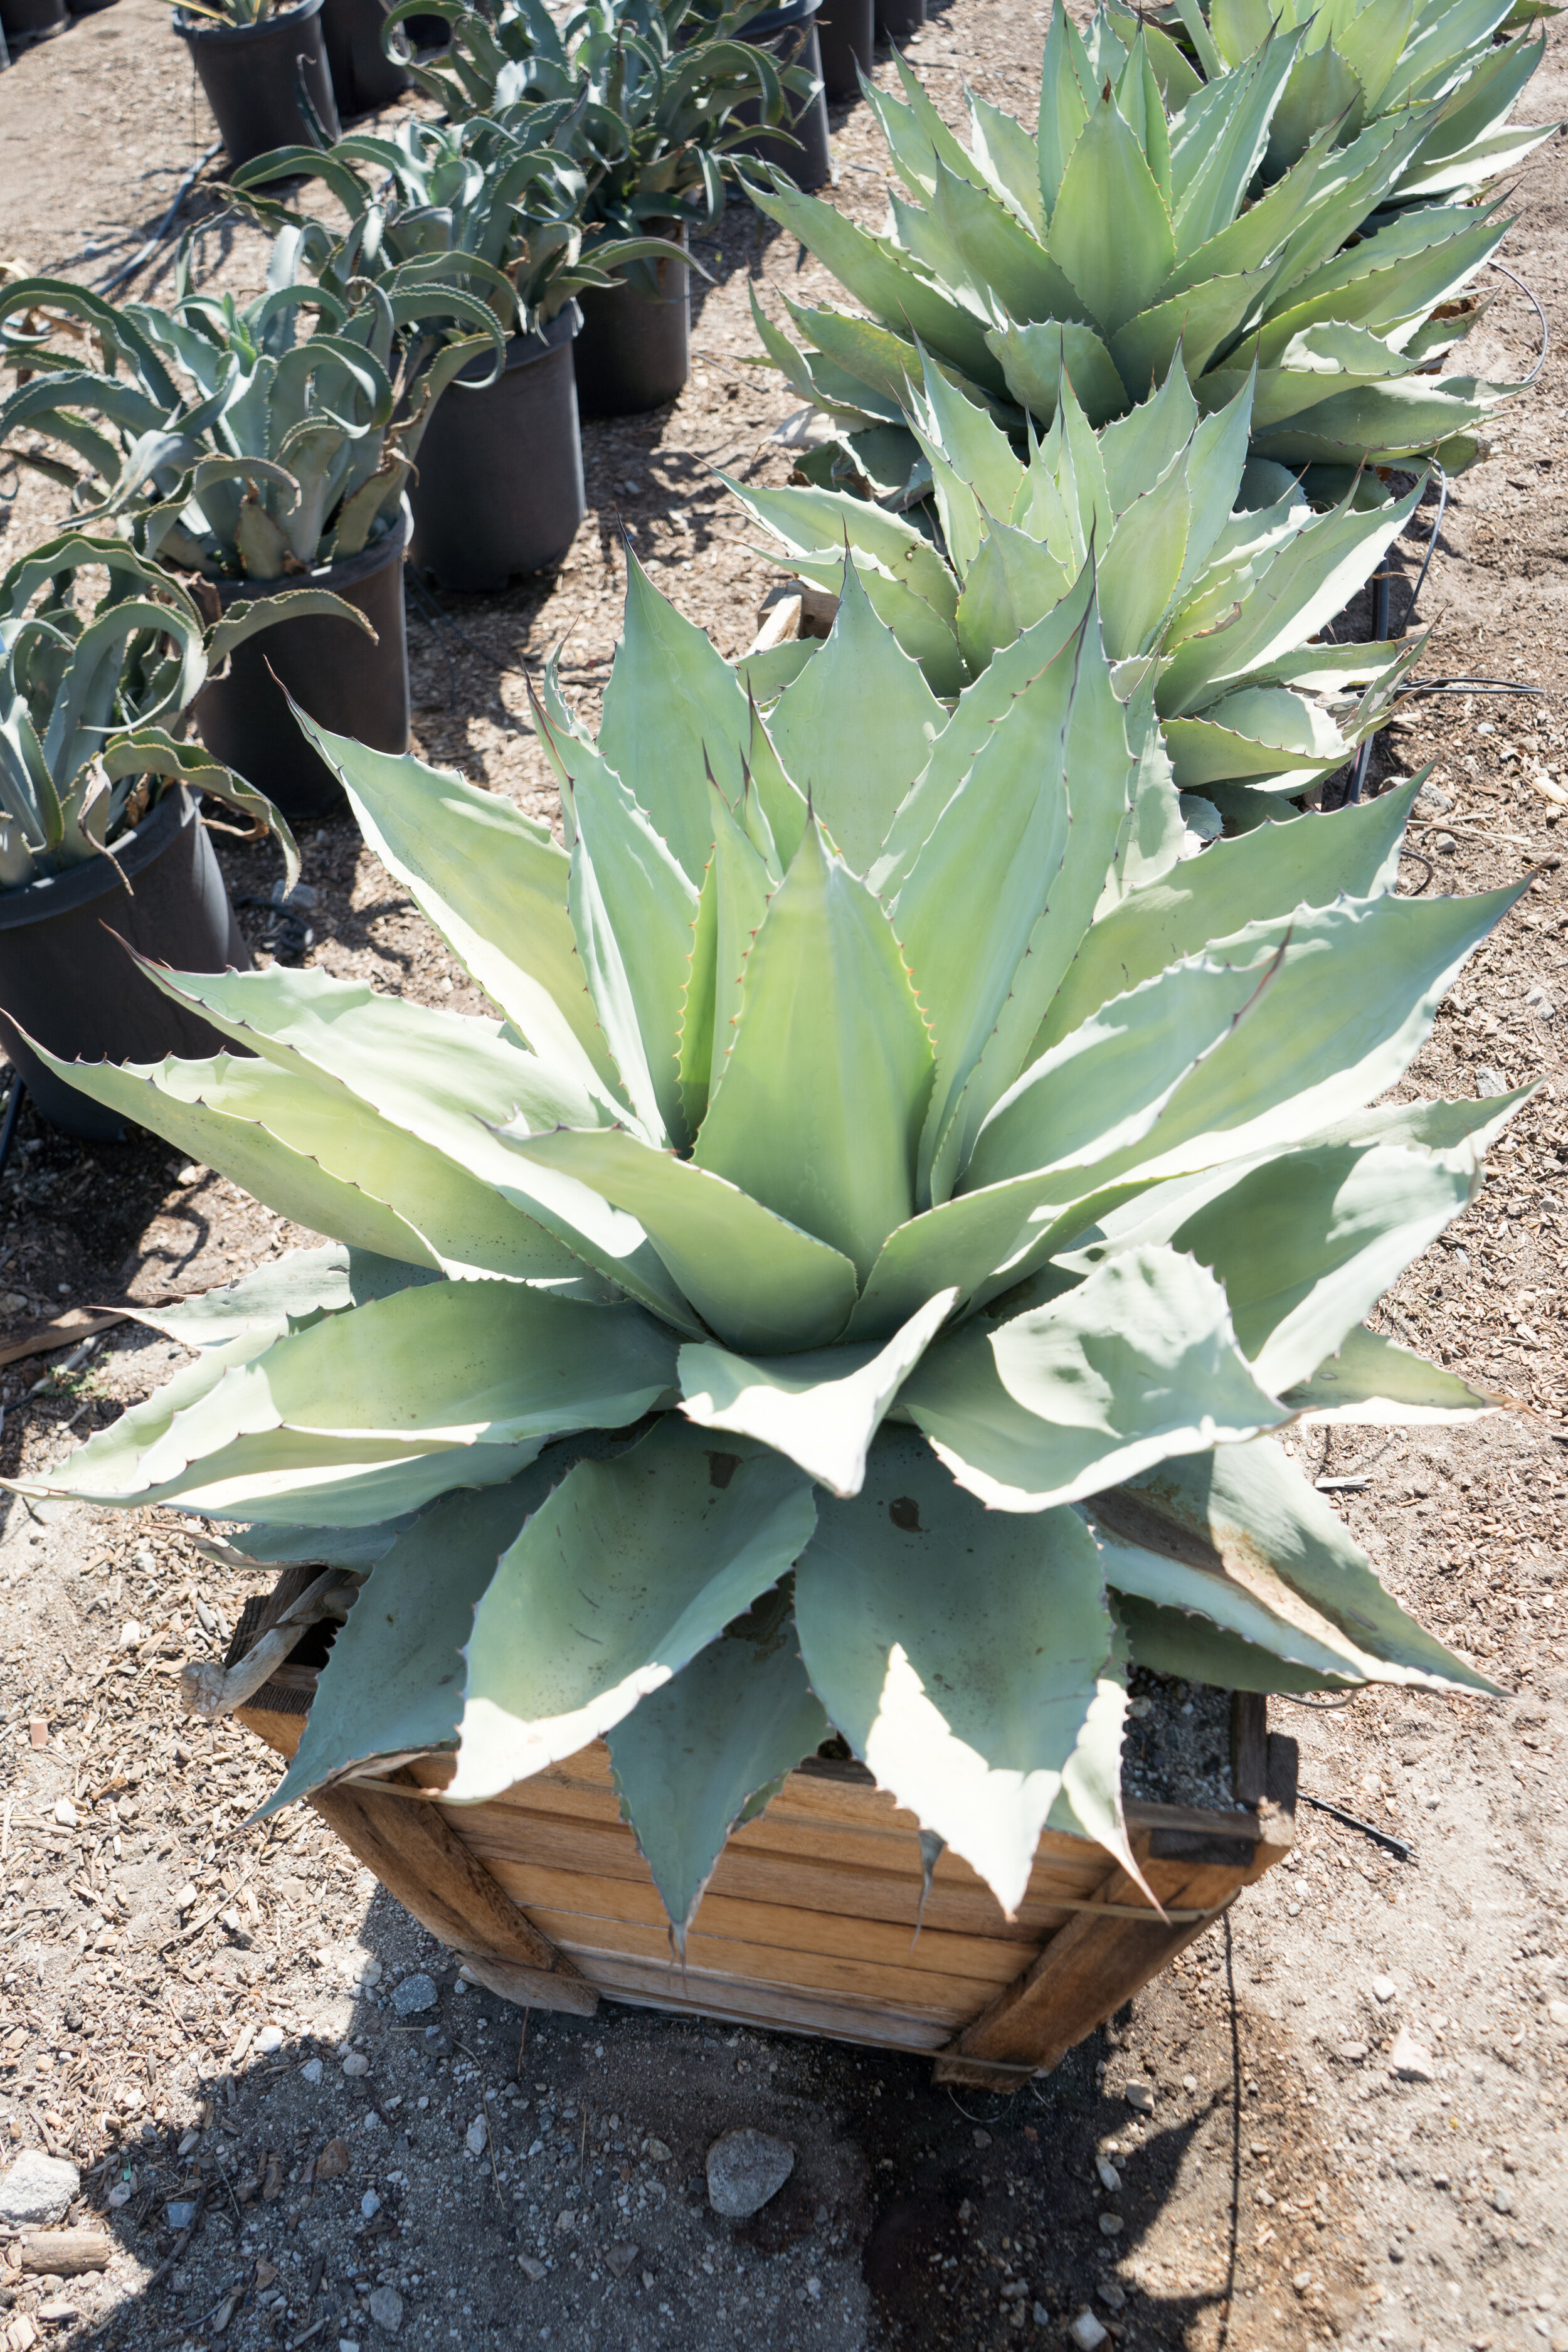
(812, 1921)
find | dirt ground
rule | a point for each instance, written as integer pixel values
(1286, 2189)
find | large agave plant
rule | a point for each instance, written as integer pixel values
(1126, 231)
(1216, 568)
(856, 1284)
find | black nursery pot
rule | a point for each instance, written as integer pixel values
(900, 20)
(499, 486)
(31, 20)
(252, 75)
(66, 980)
(846, 35)
(633, 352)
(364, 76)
(790, 32)
(331, 669)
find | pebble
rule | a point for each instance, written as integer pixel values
(1490, 1080)
(120, 2194)
(1087, 2332)
(982, 2139)
(1383, 1989)
(367, 1972)
(334, 2161)
(130, 1635)
(386, 2308)
(1111, 2225)
(619, 2258)
(745, 2167)
(347, 2344)
(532, 2267)
(269, 2039)
(36, 2188)
(413, 1994)
(1109, 2176)
(1557, 2012)
(566, 2220)
(65, 1813)
(1041, 2315)
(476, 2139)
(813, 2289)
(311, 2071)
(182, 2213)
(188, 2140)
(1502, 2201)
(355, 2065)
(1189, 2082)
(370, 2204)
(1140, 2096)
(1110, 2294)
(185, 1897)
(659, 2153)
(1409, 2060)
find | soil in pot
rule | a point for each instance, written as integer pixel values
(66, 979)
(634, 351)
(499, 484)
(253, 76)
(364, 76)
(847, 35)
(332, 670)
(790, 32)
(31, 20)
(900, 20)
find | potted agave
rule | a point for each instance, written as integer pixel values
(264, 70)
(1138, 224)
(250, 455)
(654, 98)
(902, 1238)
(101, 844)
(492, 211)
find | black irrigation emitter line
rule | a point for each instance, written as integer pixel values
(1396, 1846)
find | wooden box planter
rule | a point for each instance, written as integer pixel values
(810, 1922)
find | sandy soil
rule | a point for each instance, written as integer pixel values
(1286, 2189)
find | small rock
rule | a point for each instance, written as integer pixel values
(1396, 2251)
(647, 2281)
(57, 2307)
(1111, 2225)
(311, 2071)
(347, 2344)
(186, 1897)
(1490, 1080)
(1557, 2012)
(37, 2188)
(1109, 2176)
(1383, 1989)
(182, 2213)
(120, 2194)
(1140, 2096)
(476, 2139)
(532, 2267)
(1502, 2201)
(269, 2039)
(813, 2289)
(188, 2140)
(659, 2153)
(334, 2161)
(1087, 2332)
(367, 1972)
(1041, 2316)
(1302, 2282)
(1189, 2082)
(370, 2204)
(745, 2167)
(566, 2220)
(1353, 2051)
(1409, 2060)
(386, 2308)
(413, 1994)
(355, 2065)
(619, 2258)
(982, 2139)
(1110, 2294)
(65, 1813)
(632, 490)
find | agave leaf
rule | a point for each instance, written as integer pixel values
(1013, 580)
(1092, 1387)
(1193, 323)
(1144, 563)
(758, 1281)
(1403, 274)
(706, 1751)
(1136, 449)
(822, 1407)
(1066, 87)
(828, 1076)
(636, 1566)
(965, 1657)
(1009, 160)
(1371, 1379)
(999, 252)
(1381, 423)
(1110, 229)
(1238, 1595)
(1189, 1648)
(821, 519)
(974, 444)
(297, 1286)
(1250, 1503)
(1237, 742)
(855, 727)
(1323, 88)
(1034, 359)
(282, 1546)
(1233, 149)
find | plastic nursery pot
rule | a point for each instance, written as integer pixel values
(332, 670)
(900, 20)
(846, 35)
(634, 351)
(88, 7)
(31, 20)
(253, 75)
(364, 76)
(498, 488)
(64, 978)
(790, 32)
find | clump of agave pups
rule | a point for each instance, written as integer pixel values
(856, 1282)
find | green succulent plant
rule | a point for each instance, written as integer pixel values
(89, 700)
(857, 1283)
(1128, 230)
(231, 444)
(1213, 567)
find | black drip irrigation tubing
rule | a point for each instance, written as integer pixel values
(17, 1098)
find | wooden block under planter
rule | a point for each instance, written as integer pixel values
(812, 1921)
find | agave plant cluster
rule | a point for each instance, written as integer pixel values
(1243, 222)
(858, 1281)
(1215, 575)
(91, 700)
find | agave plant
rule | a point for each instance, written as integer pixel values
(1125, 233)
(654, 87)
(494, 212)
(1214, 567)
(233, 445)
(87, 699)
(857, 1283)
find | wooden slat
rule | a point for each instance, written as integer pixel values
(697, 1995)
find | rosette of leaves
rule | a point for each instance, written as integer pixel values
(859, 1279)
(232, 443)
(89, 699)
(1215, 568)
(493, 210)
(653, 86)
(1126, 230)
